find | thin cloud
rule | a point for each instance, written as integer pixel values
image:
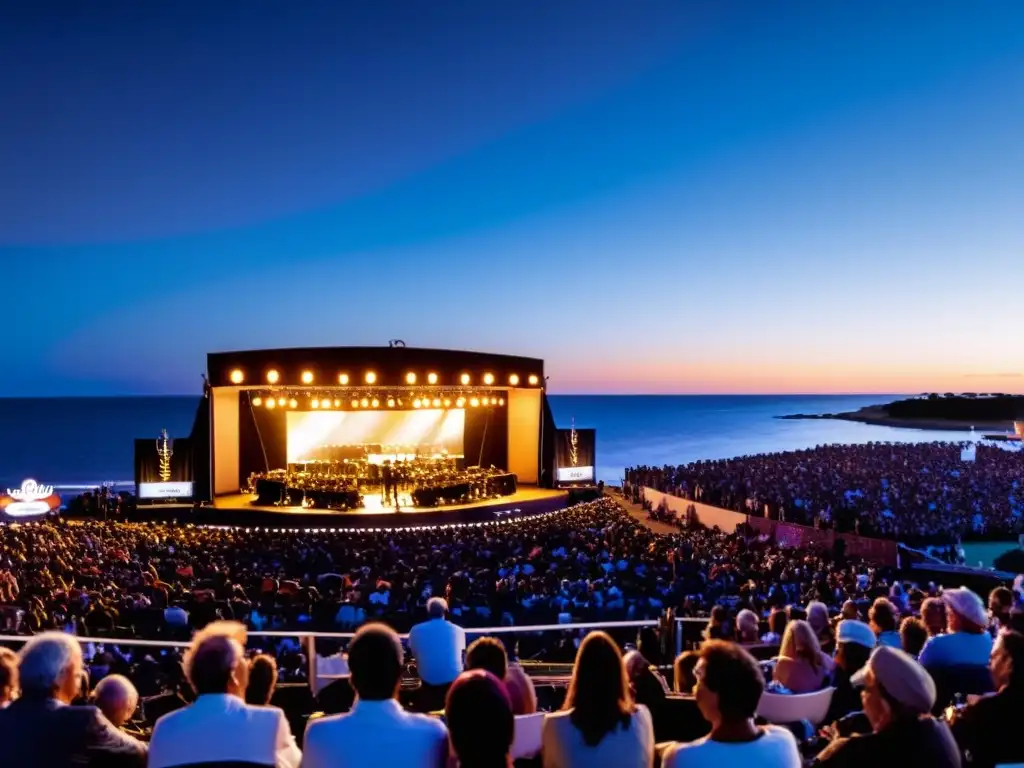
(994, 375)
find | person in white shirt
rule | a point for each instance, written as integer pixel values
(438, 646)
(219, 727)
(729, 687)
(377, 732)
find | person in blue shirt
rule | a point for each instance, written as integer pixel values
(967, 642)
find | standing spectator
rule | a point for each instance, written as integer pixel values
(913, 635)
(219, 725)
(599, 725)
(8, 676)
(967, 643)
(481, 725)
(438, 646)
(898, 697)
(801, 666)
(377, 731)
(729, 687)
(41, 730)
(884, 618)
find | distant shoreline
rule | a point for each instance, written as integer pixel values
(954, 413)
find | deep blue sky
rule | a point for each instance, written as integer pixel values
(653, 196)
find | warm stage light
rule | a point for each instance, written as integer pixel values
(410, 378)
(431, 378)
(474, 402)
(337, 403)
(375, 402)
(273, 376)
(364, 403)
(237, 377)
(513, 379)
(533, 379)
(501, 401)
(464, 378)
(271, 403)
(437, 402)
(325, 403)
(447, 403)
(314, 403)
(343, 379)
(416, 403)
(293, 403)
(307, 377)
(355, 403)
(488, 379)
(281, 401)
(371, 377)
(391, 402)
(460, 402)
(257, 401)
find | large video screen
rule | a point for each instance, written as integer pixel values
(402, 432)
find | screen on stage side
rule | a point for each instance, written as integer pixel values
(425, 429)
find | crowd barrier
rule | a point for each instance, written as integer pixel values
(785, 534)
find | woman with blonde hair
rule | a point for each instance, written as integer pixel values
(801, 666)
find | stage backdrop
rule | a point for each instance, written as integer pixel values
(148, 481)
(574, 456)
(418, 431)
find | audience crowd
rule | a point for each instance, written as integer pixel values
(917, 492)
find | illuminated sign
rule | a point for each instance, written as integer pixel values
(574, 474)
(30, 500)
(165, 490)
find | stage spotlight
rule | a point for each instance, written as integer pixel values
(337, 403)
(281, 401)
(355, 403)
(447, 403)
(501, 401)
(488, 379)
(416, 403)
(343, 379)
(461, 402)
(533, 380)
(375, 403)
(399, 401)
(431, 378)
(325, 403)
(307, 377)
(271, 403)
(410, 378)
(257, 401)
(314, 403)
(437, 402)
(391, 402)
(371, 377)
(293, 403)
(464, 378)
(364, 403)
(237, 377)
(474, 402)
(514, 379)
(273, 376)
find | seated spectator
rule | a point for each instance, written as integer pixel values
(913, 635)
(801, 666)
(487, 654)
(849, 611)
(719, 627)
(116, 698)
(884, 620)
(986, 730)
(8, 676)
(933, 614)
(747, 628)
(776, 627)
(377, 731)
(438, 646)
(818, 618)
(854, 643)
(599, 726)
(262, 680)
(898, 697)
(648, 689)
(520, 691)
(967, 643)
(219, 725)
(481, 725)
(682, 671)
(41, 729)
(795, 613)
(1000, 608)
(729, 687)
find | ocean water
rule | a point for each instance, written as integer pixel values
(88, 441)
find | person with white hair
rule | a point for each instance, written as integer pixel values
(219, 727)
(42, 729)
(439, 647)
(117, 699)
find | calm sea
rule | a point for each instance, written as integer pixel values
(89, 441)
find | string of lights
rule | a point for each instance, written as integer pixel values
(273, 376)
(376, 399)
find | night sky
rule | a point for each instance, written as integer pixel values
(652, 196)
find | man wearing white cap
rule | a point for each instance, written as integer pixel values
(898, 696)
(967, 642)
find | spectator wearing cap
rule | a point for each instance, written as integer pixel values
(985, 729)
(967, 643)
(438, 646)
(377, 731)
(854, 643)
(898, 696)
(481, 725)
(729, 687)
